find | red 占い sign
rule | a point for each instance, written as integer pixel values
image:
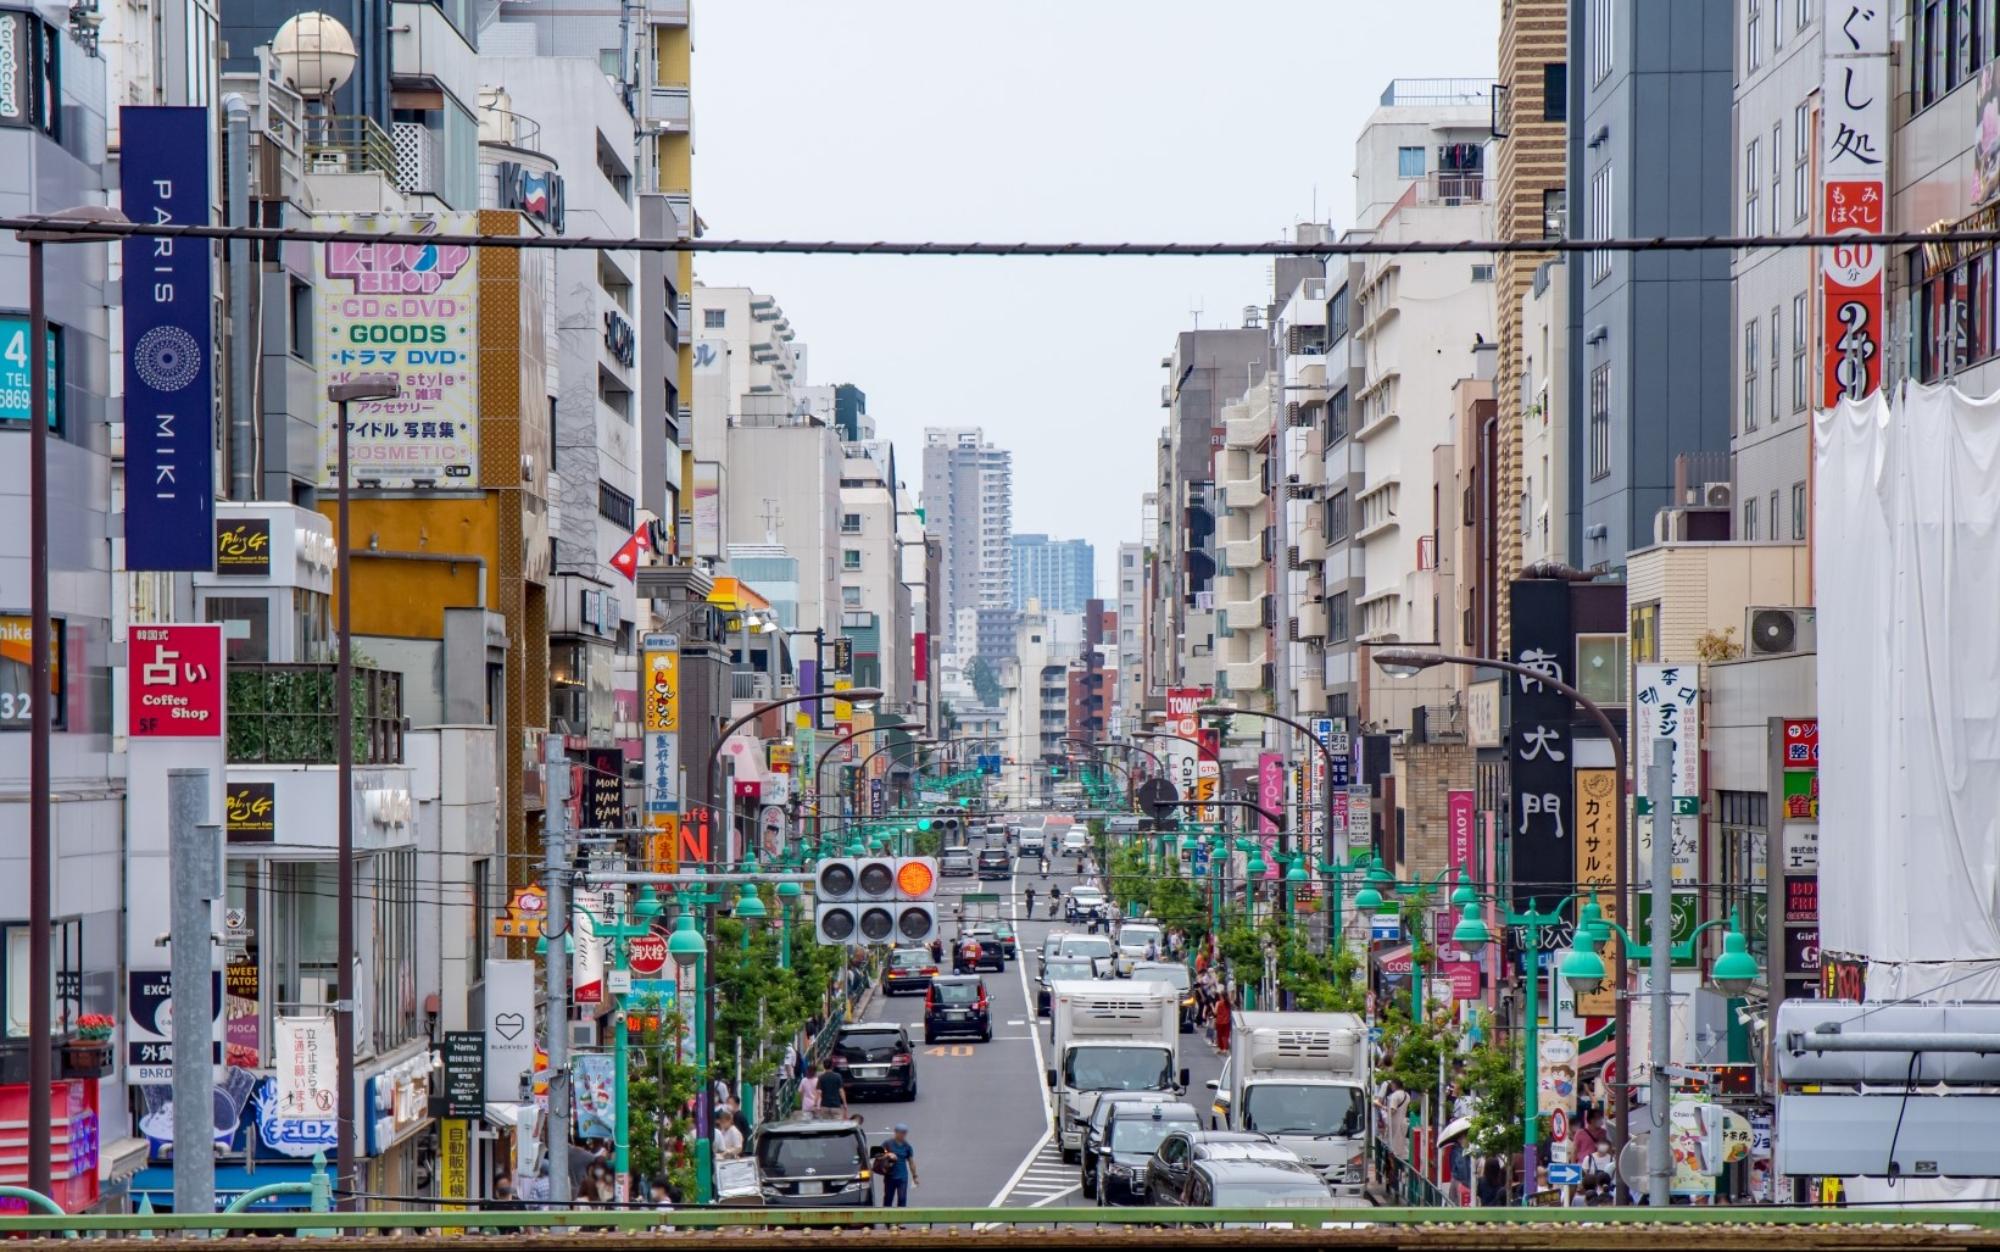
(174, 684)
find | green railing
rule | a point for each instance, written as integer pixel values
(1402, 1181)
(640, 1219)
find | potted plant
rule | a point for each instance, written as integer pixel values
(87, 1052)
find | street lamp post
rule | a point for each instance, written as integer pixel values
(819, 812)
(1406, 663)
(41, 646)
(358, 388)
(690, 953)
(620, 931)
(861, 767)
(1326, 753)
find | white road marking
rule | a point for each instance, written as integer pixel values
(1017, 1021)
(1045, 1201)
(1048, 1122)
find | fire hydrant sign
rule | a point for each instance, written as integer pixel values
(174, 682)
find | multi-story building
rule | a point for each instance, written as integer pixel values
(1650, 153)
(1131, 698)
(1206, 370)
(1780, 63)
(1341, 572)
(1420, 172)
(875, 601)
(1034, 687)
(1246, 608)
(968, 499)
(1538, 514)
(1061, 573)
(1093, 675)
(1530, 110)
(1298, 384)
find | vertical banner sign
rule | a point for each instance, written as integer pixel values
(660, 740)
(1458, 827)
(408, 310)
(1539, 747)
(1312, 816)
(308, 1067)
(1208, 774)
(1597, 803)
(1270, 790)
(586, 969)
(454, 1162)
(1181, 754)
(169, 392)
(1854, 137)
(510, 1028)
(1666, 703)
(1800, 846)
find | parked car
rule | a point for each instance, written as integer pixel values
(1126, 1143)
(875, 1058)
(955, 863)
(1093, 1129)
(821, 1162)
(957, 1006)
(1167, 1172)
(909, 969)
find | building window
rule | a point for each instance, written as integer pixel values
(1772, 527)
(1482, 273)
(1805, 13)
(1949, 41)
(302, 320)
(1600, 422)
(1337, 312)
(1336, 618)
(394, 994)
(1555, 212)
(850, 597)
(1750, 360)
(1799, 512)
(1750, 520)
(1753, 36)
(479, 941)
(714, 319)
(615, 506)
(1600, 40)
(1337, 528)
(1777, 337)
(1777, 168)
(1555, 92)
(1410, 162)
(1600, 220)
(1801, 162)
(1601, 666)
(250, 640)
(1954, 314)
(1336, 417)
(1753, 182)
(1799, 353)
(850, 523)
(1646, 634)
(850, 558)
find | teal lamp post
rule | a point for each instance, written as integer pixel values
(690, 952)
(1295, 877)
(1355, 868)
(750, 911)
(788, 895)
(619, 932)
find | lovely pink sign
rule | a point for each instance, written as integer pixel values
(1458, 825)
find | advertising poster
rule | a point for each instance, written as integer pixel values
(243, 547)
(596, 1095)
(1597, 862)
(1270, 790)
(175, 681)
(149, 1025)
(250, 812)
(1667, 703)
(169, 314)
(1458, 830)
(708, 509)
(409, 310)
(1556, 1072)
(17, 701)
(15, 369)
(307, 1061)
(510, 1027)
(241, 1046)
(587, 959)
(1854, 164)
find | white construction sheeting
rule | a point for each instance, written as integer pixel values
(1907, 578)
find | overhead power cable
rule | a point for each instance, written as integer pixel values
(50, 227)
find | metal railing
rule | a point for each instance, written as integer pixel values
(1437, 91)
(339, 143)
(1403, 1182)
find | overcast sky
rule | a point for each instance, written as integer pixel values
(1044, 120)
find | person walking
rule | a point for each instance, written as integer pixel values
(902, 1173)
(809, 1091)
(1222, 1017)
(728, 1139)
(1031, 901)
(832, 1092)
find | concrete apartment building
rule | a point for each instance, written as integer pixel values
(1780, 62)
(1539, 518)
(875, 601)
(1061, 573)
(1246, 608)
(968, 496)
(1651, 151)
(1298, 384)
(1127, 712)
(1341, 572)
(1530, 201)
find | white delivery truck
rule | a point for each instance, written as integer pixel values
(1302, 1079)
(1109, 1036)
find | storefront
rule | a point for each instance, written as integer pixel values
(402, 1154)
(255, 1149)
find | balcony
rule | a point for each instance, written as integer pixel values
(283, 715)
(1245, 677)
(1311, 472)
(340, 144)
(1453, 187)
(1312, 621)
(1245, 432)
(668, 107)
(1312, 547)
(1242, 493)
(1243, 614)
(1239, 554)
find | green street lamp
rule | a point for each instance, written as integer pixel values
(1733, 973)
(618, 933)
(788, 895)
(690, 952)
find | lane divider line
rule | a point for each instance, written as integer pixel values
(1035, 1036)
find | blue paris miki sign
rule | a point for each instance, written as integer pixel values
(169, 392)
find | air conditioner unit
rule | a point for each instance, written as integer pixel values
(1716, 495)
(1292, 479)
(1780, 631)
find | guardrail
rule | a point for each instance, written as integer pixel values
(1958, 1221)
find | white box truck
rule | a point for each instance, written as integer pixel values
(1302, 1078)
(1109, 1036)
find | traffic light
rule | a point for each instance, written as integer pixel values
(916, 884)
(836, 917)
(875, 898)
(1058, 769)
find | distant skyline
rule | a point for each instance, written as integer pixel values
(1168, 121)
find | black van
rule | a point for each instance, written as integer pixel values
(995, 863)
(814, 1163)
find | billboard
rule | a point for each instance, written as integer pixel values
(409, 310)
(1854, 165)
(169, 311)
(1539, 743)
(1667, 705)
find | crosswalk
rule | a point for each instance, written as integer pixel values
(1046, 1180)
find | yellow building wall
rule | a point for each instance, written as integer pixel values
(404, 599)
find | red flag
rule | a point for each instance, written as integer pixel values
(626, 559)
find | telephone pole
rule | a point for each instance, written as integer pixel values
(555, 768)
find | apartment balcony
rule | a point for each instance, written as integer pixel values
(1245, 432)
(1243, 553)
(1245, 677)
(1244, 614)
(1449, 188)
(1311, 473)
(1312, 621)
(342, 144)
(667, 12)
(283, 715)
(1311, 546)
(1242, 493)
(668, 107)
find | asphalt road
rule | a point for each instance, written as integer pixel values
(980, 1122)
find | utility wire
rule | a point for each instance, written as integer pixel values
(51, 229)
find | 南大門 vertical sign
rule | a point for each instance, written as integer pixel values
(169, 394)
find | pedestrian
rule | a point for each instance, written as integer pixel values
(809, 1091)
(728, 1139)
(658, 1196)
(1031, 902)
(1222, 1016)
(1492, 1185)
(902, 1173)
(832, 1092)
(1583, 1140)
